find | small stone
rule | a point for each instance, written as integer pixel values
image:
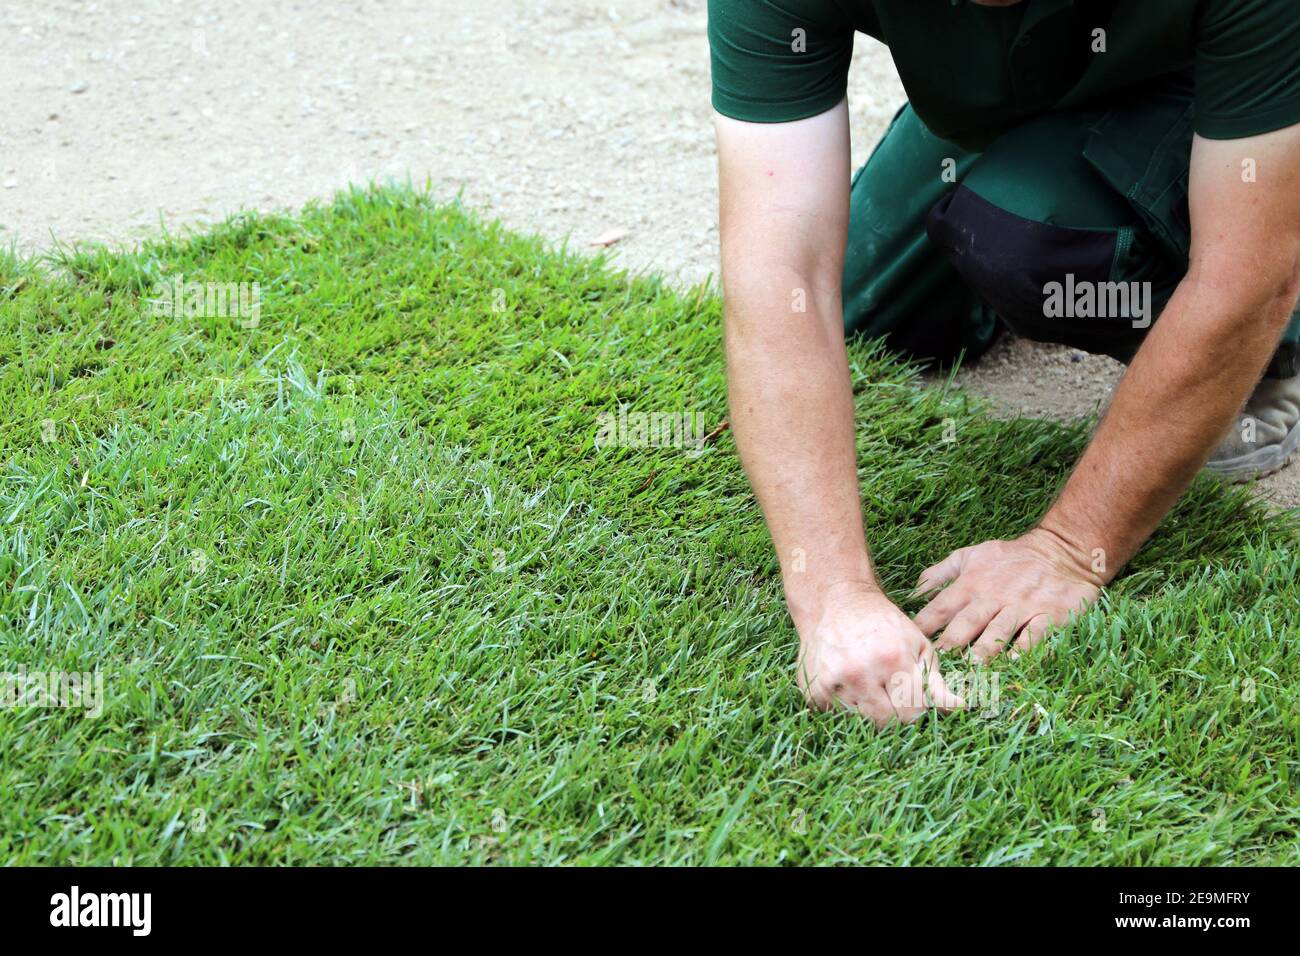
(11, 184)
(79, 87)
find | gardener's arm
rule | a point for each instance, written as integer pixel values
(1188, 381)
(784, 217)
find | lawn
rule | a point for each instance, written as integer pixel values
(363, 589)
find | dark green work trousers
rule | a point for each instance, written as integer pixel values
(1047, 231)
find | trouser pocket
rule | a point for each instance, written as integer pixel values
(1143, 150)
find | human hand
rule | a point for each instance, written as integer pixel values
(864, 654)
(1005, 593)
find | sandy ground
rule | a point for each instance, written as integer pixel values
(572, 118)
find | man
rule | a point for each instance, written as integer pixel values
(1053, 154)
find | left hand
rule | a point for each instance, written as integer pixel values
(1005, 592)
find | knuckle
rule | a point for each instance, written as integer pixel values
(911, 714)
(847, 675)
(890, 658)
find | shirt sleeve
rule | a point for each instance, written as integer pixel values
(775, 61)
(1247, 67)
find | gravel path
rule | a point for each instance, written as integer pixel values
(572, 118)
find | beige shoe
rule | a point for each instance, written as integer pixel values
(1265, 434)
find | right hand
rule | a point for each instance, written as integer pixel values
(864, 654)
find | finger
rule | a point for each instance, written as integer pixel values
(998, 635)
(878, 708)
(938, 575)
(818, 693)
(1035, 629)
(922, 687)
(942, 608)
(968, 624)
(907, 693)
(940, 695)
(846, 703)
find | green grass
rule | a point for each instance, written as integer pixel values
(363, 590)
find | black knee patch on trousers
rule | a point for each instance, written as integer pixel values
(1008, 261)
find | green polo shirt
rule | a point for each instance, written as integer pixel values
(972, 72)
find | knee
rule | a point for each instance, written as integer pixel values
(1009, 260)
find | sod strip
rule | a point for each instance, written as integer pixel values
(445, 556)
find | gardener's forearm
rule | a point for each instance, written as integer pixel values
(1203, 356)
(784, 214)
(1179, 396)
(784, 211)
(792, 414)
